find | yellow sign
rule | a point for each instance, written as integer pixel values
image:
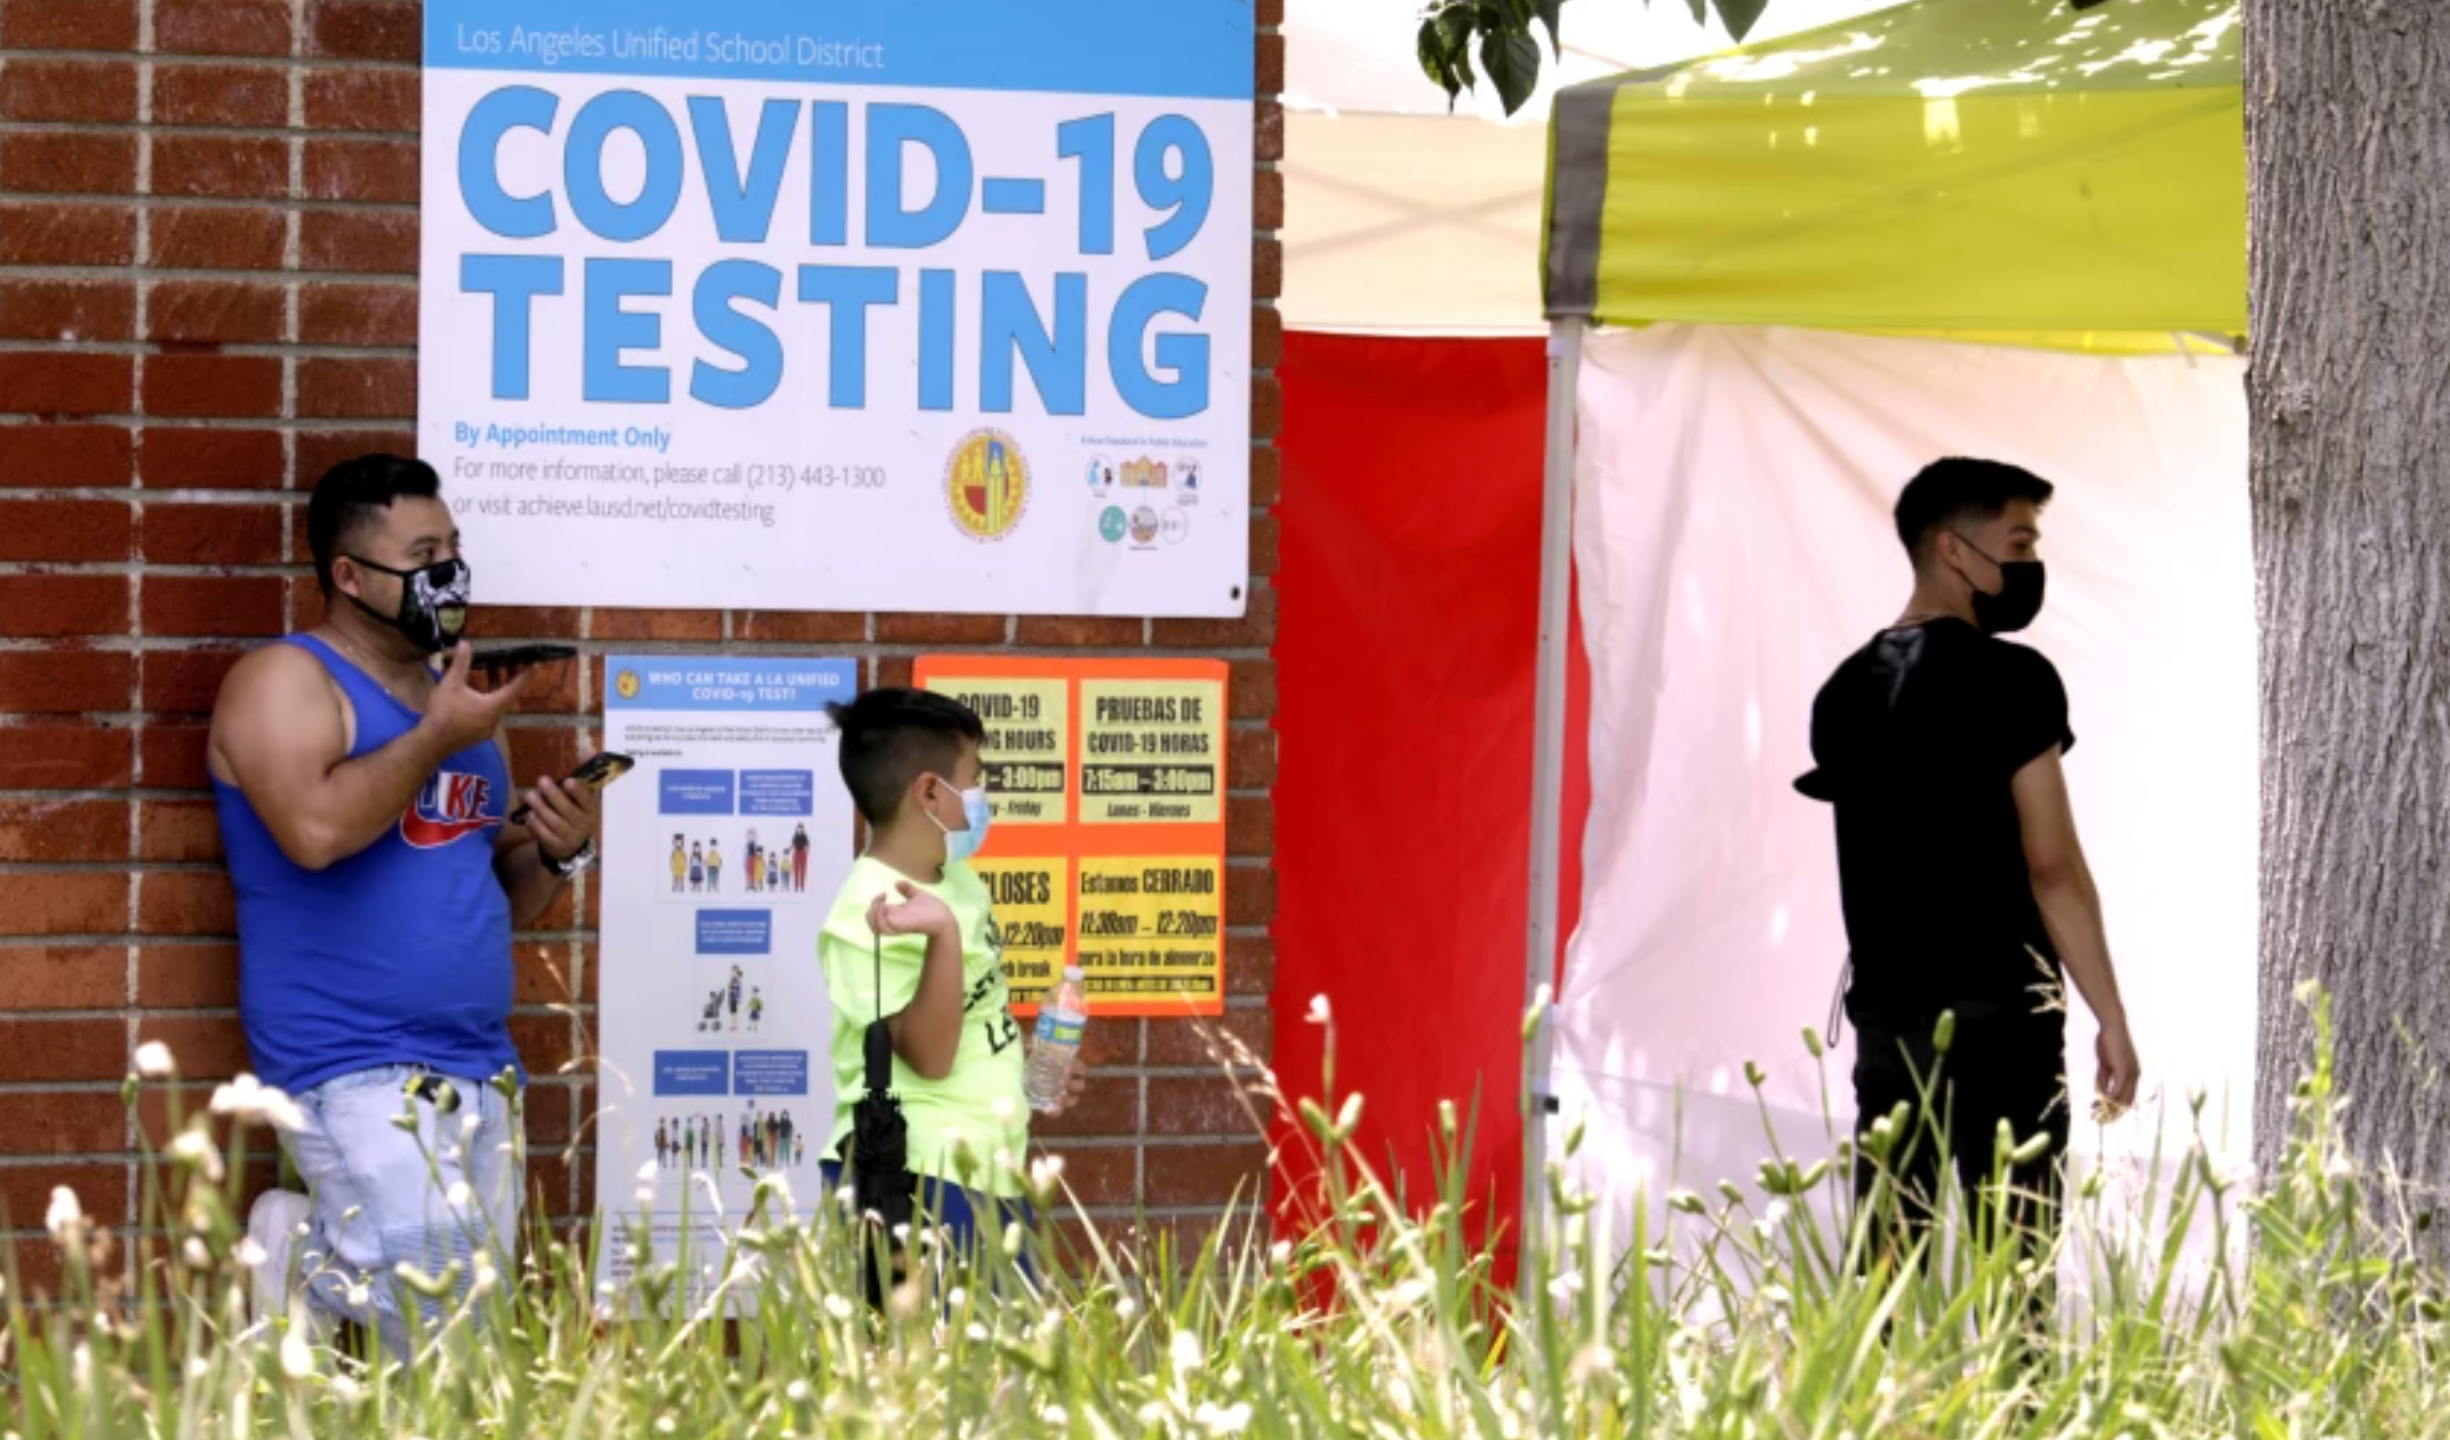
(987, 485)
(1151, 926)
(1029, 745)
(1032, 905)
(1152, 751)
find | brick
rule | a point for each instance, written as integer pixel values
(544, 975)
(1267, 474)
(1250, 895)
(67, 383)
(536, 754)
(62, 1123)
(221, 167)
(890, 670)
(60, 682)
(177, 534)
(543, 1042)
(1078, 632)
(550, 1112)
(63, 903)
(25, 1192)
(366, 30)
(518, 622)
(370, 171)
(70, 530)
(1268, 132)
(358, 315)
(1209, 1041)
(940, 629)
(1265, 535)
(217, 459)
(1103, 1175)
(1267, 200)
(55, 605)
(186, 605)
(383, 100)
(1204, 1105)
(1112, 1044)
(1184, 1176)
(93, 91)
(778, 627)
(47, 234)
(74, 756)
(239, 95)
(186, 902)
(215, 312)
(1254, 631)
(68, 25)
(178, 832)
(206, 1047)
(306, 607)
(1250, 762)
(1267, 406)
(357, 389)
(64, 977)
(364, 242)
(217, 239)
(1250, 965)
(200, 387)
(173, 757)
(34, 1051)
(1269, 76)
(1252, 684)
(51, 455)
(67, 310)
(320, 450)
(221, 27)
(182, 682)
(1109, 1105)
(187, 977)
(657, 625)
(73, 162)
(1267, 337)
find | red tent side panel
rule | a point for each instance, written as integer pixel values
(1406, 661)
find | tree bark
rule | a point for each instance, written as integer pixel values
(2348, 138)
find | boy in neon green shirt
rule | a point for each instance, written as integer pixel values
(910, 759)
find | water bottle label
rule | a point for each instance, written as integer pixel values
(1059, 1027)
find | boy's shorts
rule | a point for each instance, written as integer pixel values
(957, 1212)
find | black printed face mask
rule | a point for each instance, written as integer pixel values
(433, 602)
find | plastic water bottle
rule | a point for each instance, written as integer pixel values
(1062, 1019)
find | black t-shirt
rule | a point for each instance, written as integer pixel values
(1916, 738)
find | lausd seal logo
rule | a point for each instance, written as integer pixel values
(450, 807)
(986, 485)
(625, 684)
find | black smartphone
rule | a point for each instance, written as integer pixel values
(520, 657)
(597, 772)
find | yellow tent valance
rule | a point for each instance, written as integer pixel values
(2007, 168)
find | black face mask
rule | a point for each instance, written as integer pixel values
(2019, 600)
(433, 603)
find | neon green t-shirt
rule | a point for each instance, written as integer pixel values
(980, 1101)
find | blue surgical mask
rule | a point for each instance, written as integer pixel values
(960, 845)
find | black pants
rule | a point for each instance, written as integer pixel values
(2001, 1066)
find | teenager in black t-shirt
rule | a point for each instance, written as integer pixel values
(1964, 887)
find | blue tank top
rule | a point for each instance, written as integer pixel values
(398, 955)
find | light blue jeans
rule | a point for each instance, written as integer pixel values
(383, 1194)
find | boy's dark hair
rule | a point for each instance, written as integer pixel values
(1955, 489)
(890, 737)
(350, 493)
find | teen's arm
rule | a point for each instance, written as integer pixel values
(2071, 911)
(927, 1031)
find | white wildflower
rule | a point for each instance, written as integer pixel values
(459, 1196)
(1320, 1014)
(1056, 1417)
(249, 1254)
(1566, 1286)
(195, 1150)
(66, 1219)
(250, 1101)
(359, 1296)
(1222, 1420)
(1187, 1353)
(297, 1361)
(153, 1061)
(838, 1307)
(196, 1256)
(797, 1391)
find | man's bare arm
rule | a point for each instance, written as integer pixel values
(278, 736)
(2071, 911)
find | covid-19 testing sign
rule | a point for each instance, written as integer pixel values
(927, 305)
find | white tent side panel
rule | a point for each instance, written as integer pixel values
(1733, 534)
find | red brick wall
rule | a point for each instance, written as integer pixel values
(208, 254)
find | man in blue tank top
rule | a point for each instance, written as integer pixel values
(364, 797)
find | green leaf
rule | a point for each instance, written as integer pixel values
(1513, 63)
(1550, 12)
(1739, 16)
(1434, 64)
(1700, 9)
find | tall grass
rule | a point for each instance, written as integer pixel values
(1748, 1315)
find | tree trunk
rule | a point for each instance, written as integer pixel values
(2348, 134)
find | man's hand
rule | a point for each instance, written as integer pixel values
(563, 818)
(2120, 1074)
(1075, 1083)
(919, 914)
(458, 714)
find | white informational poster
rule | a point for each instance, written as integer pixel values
(770, 304)
(723, 851)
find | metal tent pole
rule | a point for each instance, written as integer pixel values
(1548, 766)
